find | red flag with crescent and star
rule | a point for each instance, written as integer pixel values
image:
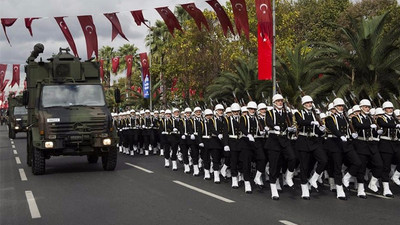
(67, 34)
(3, 86)
(89, 30)
(196, 14)
(7, 22)
(116, 25)
(222, 16)
(265, 39)
(3, 70)
(115, 64)
(241, 17)
(28, 24)
(144, 61)
(129, 62)
(169, 18)
(15, 77)
(102, 69)
(139, 18)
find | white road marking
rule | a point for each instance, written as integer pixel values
(22, 174)
(140, 168)
(32, 205)
(12, 142)
(15, 152)
(287, 222)
(204, 192)
(13, 146)
(368, 193)
(17, 160)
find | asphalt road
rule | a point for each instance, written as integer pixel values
(142, 191)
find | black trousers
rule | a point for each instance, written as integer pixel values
(387, 159)
(185, 150)
(307, 161)
(194, 153)
(133, 138)
(376, 165)
(173, 142)
(213, 153)
(274, 161)
(248, 154)
(236, 164)
(353, 160)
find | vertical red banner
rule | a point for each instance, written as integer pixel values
(115, 64)
(16, 74)
(128, 60)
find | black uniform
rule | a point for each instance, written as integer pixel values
(194, 148)
(133, 132)
(156, 132)
(186, 130)
(233, 142)
(173, 136)
(147, 131)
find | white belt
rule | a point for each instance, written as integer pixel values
(207, 137)
(307, 134)
(233, 136)
(164, 132)
(257, 136)
(388, 138)
(365, 139)
(277, 132)
(334, 136)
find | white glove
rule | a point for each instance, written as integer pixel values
(262, 133)
(373, 126)
(344, 139)
(226, 148)
(317, 111)
(201, 145)
(183, 137)
(151, 125)
(354, 135)
(292, 129)
(398, 126)
(220, 136)
(192, 137)
(250, 137)
(266, 128)
(143, 126)
(277, 128)
(380, 131)
(322, 128)
(315, 123)
(175, 130)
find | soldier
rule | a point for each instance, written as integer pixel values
(147, 132)
(234, 134)
(228, 112)
(260, 139)
(134, 123)
(366, 148)
(194, 147)
(340, 147)
(219, 142)
(187, 138)
(163, 136)
(205, 141)
(278, 144)
(156, 132)
(388, 145)
(166, 128)
(244, 110)
(174, 136)
(309, 145)
(125, 132)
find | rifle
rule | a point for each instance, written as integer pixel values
(380, 98)
(288, 121)
(249, 96)
(235, 98)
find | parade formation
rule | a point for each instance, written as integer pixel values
(259, 144)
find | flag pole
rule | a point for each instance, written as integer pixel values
(273, 50)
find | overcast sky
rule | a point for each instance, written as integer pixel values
(46, 30)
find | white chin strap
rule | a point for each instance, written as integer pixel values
(279, 107)
(366, 113)
(308, 108)
(390, 114)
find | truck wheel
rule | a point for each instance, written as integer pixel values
(11, 134)
(38, 162)
(92, 159)
(109, 159)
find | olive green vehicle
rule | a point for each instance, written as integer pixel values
(17, 116)
(67, 111)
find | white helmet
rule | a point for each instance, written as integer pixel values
(356, 108)
(305, 99)
(147, 111)
(162, 111)
(387, 104)
(244, 109)
(372, 111)
(167, 111)
(197, 109)
(175, 110)
(397, 112)
(365, 102)
(156, 112)
(330, 106)
(277, 97)
(208, 112)
(137, 114)
(228, 110)
(262, 106)
(379, 111)
(132, 111)
(338, 101)
(252, 105)
(219, 107)
(142, 111)
(188, 110)
(235, 107)
(349, 112)
(322, 115)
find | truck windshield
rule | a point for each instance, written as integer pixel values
(72, 95)
(20, 110)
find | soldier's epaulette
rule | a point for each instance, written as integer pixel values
(270, 113)
(383, 117)
(298, 112)
(333, 118)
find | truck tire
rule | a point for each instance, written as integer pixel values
(109, 159)
(92, 159)
(38, 162)
(11, 134)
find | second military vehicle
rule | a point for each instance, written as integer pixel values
(17, 116)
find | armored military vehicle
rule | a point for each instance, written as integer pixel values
(17, 116)
(67, 111)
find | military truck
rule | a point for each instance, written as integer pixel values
(67, 111)
(17, 116)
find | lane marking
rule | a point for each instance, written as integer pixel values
(287, 222)
(368, 193)
(15, 152)
(140, 168)
(12, 142)
(13, 146)
(204, 192)
(33, 208)
(17, 160)
(22, 174)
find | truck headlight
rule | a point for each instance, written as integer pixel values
(16, 127)
(106, 141)
(18, 119)
(48, 144)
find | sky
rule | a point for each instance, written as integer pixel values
(47, 32)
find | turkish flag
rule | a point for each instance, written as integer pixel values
(222, 16)
(28, 24)
(115, 64)
(129, 62)
(144, 61)
(138, 17)
(7, 22)
(196, 14)
(264, 17)
(264, 56)
(241, 17)
(3, 70)
(67, 34)
(116, 26)
(3, 86)
(15, 77)
(102, 69)
(169, 18)
(89, 30)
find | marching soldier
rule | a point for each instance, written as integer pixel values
(194, 147)
(163, 136)
(156, 132)
(260, 139)
(147, 132)
(187, 138)
(174, 136)
(166, 128)
(234, 134)
(207, 130)
(220, 142)
(278, 144)
(309, 145)
(134, 124)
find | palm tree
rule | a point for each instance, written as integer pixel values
(107, 53)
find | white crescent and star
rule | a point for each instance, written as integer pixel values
(165, 11)
(15, 68)
(115, 59)
(239, 6)
(218, 6)
(262, 6)
(2, 72)
(89, 29)
(191, 7)
(62, 25)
